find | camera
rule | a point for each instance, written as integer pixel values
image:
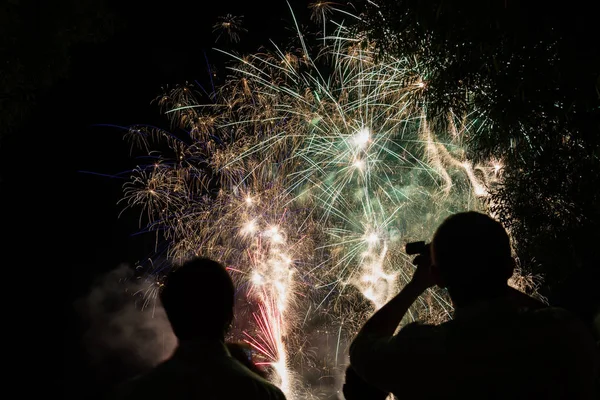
(420, 248)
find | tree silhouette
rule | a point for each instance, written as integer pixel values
(533, 72)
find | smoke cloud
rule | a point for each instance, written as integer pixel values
(126, 322)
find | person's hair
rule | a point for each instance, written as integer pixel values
(198, 298)
(472, 254)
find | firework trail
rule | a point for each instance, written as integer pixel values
(306, 173)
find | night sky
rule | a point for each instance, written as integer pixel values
(115, 83)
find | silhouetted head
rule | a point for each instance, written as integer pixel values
(472, 256)
(198, 298)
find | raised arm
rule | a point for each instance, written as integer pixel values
(371, 352)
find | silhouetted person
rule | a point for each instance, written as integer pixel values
(198, 298)
(356, 388)
(501, 343)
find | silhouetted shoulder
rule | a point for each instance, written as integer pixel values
(221, 379)
(255, 389)
(251, 386)
(558, 318)
(556, 314)
(569, 338)
(153, 385)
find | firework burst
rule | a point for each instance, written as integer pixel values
(306, 174)
(229, 25)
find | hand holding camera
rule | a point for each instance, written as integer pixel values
(423, 275)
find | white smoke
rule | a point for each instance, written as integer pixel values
(126, 321)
